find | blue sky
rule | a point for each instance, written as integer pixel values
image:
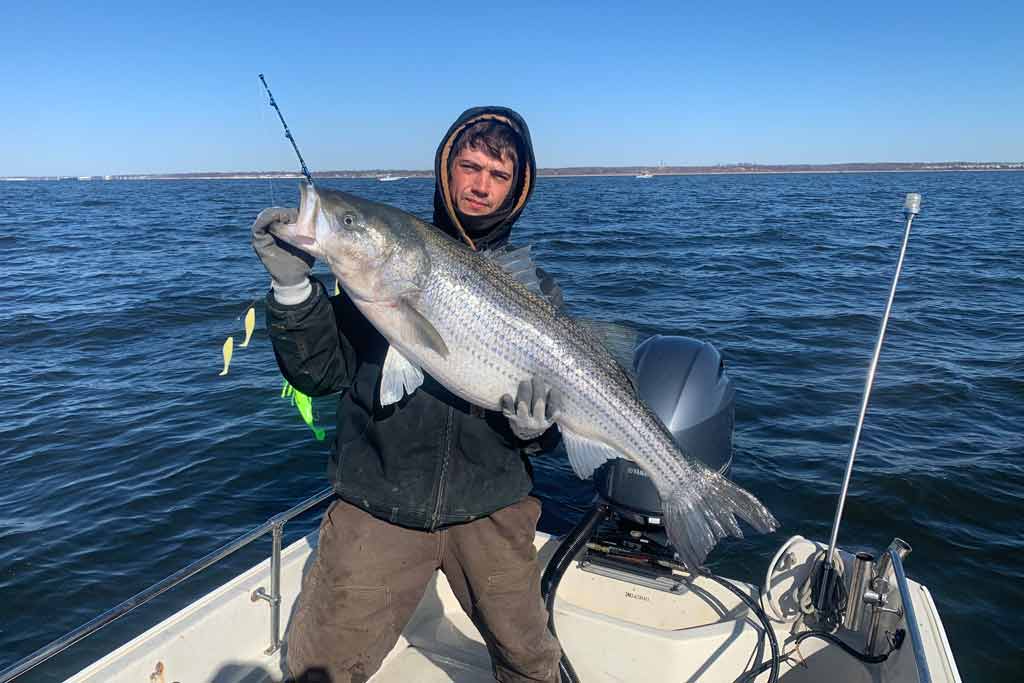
(136, 87)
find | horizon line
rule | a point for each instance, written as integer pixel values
(740, 167)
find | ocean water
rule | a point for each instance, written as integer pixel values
(123, 455)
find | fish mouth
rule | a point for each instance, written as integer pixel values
(302, 240)
(289, 232)
(302, 233)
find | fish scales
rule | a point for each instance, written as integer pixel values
(527, 337)
(461, 318)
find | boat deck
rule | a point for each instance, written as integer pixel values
(612, 630)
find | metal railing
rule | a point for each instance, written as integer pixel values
(910, 617)
(274, 526)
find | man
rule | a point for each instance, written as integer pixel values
(431, 482)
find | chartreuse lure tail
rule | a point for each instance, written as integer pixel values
(304, 404)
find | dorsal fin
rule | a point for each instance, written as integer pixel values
(620, 340)
(517, 262)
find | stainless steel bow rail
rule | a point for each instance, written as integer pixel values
(274, 526)
(910, 616)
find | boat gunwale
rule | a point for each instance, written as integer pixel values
(143, 597)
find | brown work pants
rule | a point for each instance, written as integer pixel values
(369, 576)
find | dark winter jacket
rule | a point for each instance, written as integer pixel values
(432, 459)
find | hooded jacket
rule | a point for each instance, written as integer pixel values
(432, 459)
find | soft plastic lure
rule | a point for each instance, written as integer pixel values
(304, 404)
(226, 350)
(229, 343)
(250, 325)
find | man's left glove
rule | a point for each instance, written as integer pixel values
(534, 410)
(288, 267)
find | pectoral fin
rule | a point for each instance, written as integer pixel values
(399, 377)
(586, 455)
(418, 330)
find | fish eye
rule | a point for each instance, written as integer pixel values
(348, 219)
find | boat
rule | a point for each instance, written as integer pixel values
(644, 174)
(620, 604)
(387, 177)
(615, 622)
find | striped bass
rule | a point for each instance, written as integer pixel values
(463, 317)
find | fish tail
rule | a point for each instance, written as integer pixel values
(696, 517)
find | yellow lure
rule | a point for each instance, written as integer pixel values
(250, 325)
(229, 346)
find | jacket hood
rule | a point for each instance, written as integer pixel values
(494, 229)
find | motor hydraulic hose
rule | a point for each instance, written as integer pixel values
(564, 555)
(867, 659)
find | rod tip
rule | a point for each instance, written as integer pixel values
(912, 205)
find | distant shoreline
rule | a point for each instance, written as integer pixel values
(568, 172)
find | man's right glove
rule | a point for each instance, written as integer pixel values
(534, 409)
(288, 267)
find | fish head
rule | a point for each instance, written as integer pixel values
(302, 234)
(373, 249)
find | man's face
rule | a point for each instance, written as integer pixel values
(480, 183)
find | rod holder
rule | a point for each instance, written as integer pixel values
(863, 572)
(902, 549)
(883, 581)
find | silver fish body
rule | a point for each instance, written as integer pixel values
(459, 316)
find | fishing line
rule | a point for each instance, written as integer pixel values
(302, 402)
(266, 128)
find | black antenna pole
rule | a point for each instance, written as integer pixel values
(287, 133)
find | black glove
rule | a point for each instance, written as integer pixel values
(535, 409)
(288, 267)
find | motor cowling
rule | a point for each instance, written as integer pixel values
(684, 382)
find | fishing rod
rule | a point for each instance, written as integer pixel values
(287, 132)
(824, 603)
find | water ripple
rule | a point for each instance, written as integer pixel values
(123, 456)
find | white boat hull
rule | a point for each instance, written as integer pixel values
(612, 631)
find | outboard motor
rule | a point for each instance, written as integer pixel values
(684, 381)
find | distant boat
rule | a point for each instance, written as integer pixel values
(645, 174)
(387, 177)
